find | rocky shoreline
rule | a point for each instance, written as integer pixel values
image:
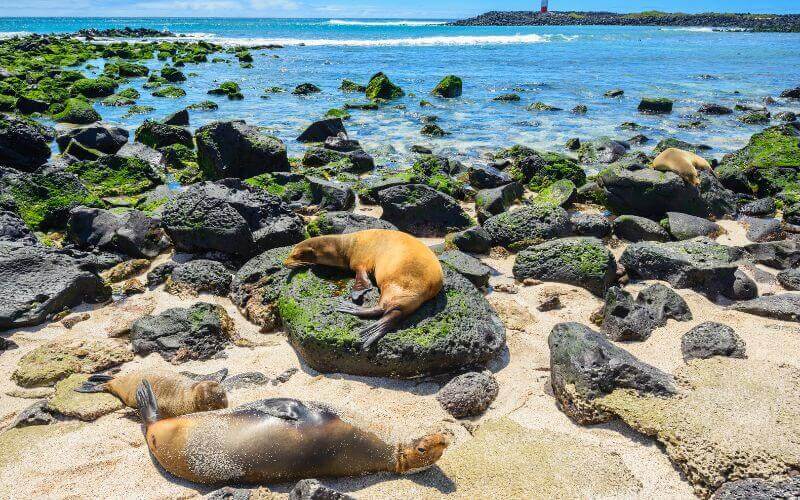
(666, 311)
(786, 23)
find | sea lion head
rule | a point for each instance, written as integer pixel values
(323, 250)
(209, 395)
(420, 453)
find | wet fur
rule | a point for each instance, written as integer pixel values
(683, 163)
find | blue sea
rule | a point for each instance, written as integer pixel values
(560, 66)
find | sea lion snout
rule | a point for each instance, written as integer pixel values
(421, 453)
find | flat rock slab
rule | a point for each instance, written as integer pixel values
(506, 460)
(57, 360)
(455, 329)
(785, 306)
(86, 407)
(734, 418)
(700, 264)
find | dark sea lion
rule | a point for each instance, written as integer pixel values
(177, 394)
(275, 440)
(406, 271)
(684, 163)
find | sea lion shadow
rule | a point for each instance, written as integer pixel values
(199, 488)
(432, 478)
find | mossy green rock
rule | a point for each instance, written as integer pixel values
(77, 111)
(527, 226)
(133, 70)
(583, 262)
(57, 360)
(158, 135)
(87, 407)
(380, 87)
(457, 328)
(540, 169)
(115, 176)
(558, 194)
(451, 86)
(44, 200)
(770, 163)
(98, 87)
(170, 92)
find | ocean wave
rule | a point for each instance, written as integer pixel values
(703, 29)
(342, 22)
(12, 34)
(429, 41)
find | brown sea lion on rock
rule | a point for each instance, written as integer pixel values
(177, 394)
(683, 163)
(407, 273)
(275, 440)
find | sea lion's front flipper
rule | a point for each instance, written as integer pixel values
(379, 329)
(146, 401)
(283, 408)
(362, 285)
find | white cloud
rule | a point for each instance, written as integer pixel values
(275, 4)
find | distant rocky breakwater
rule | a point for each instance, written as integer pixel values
(750, 22)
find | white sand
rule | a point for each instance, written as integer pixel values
(108, 458)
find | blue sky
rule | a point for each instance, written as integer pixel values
(361, 8)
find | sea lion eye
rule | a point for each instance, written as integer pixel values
(421, 449)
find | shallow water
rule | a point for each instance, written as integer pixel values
(561, 66)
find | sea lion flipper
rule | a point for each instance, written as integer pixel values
(379, 329)
(146, 401)
(100, 378)
(357, 296)
(90, 388)
(358, 311)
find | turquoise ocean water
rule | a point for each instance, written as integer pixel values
(560, 66)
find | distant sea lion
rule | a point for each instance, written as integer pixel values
(176, 393)
(406, 271)
(275, 440)
(683, 163)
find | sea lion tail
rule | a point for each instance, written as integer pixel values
(95, 383)
(146, 401)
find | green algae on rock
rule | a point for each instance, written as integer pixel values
(229, 89)
(98, 87)
(44, 200)
(456, 329)
(170, 92)
(87, 407)
(114, 175)
(770, 163)
(450, 87)
(380, 87)
(77, 111)
(58, 359)
(580, 261)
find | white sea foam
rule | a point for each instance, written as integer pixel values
(697, 29)
(399, 22)
(381, 42)
(12, 34)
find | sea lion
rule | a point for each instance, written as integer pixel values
(177, 394)
(275, 440)
(684, 163)
(407, 273)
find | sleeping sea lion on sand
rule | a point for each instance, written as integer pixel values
(177, 394)
(407, 273)
(275, 440)
(683, 163)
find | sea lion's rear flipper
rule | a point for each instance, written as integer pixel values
(358, 311)
(95, 383)
(146, 401)
(379, 329)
